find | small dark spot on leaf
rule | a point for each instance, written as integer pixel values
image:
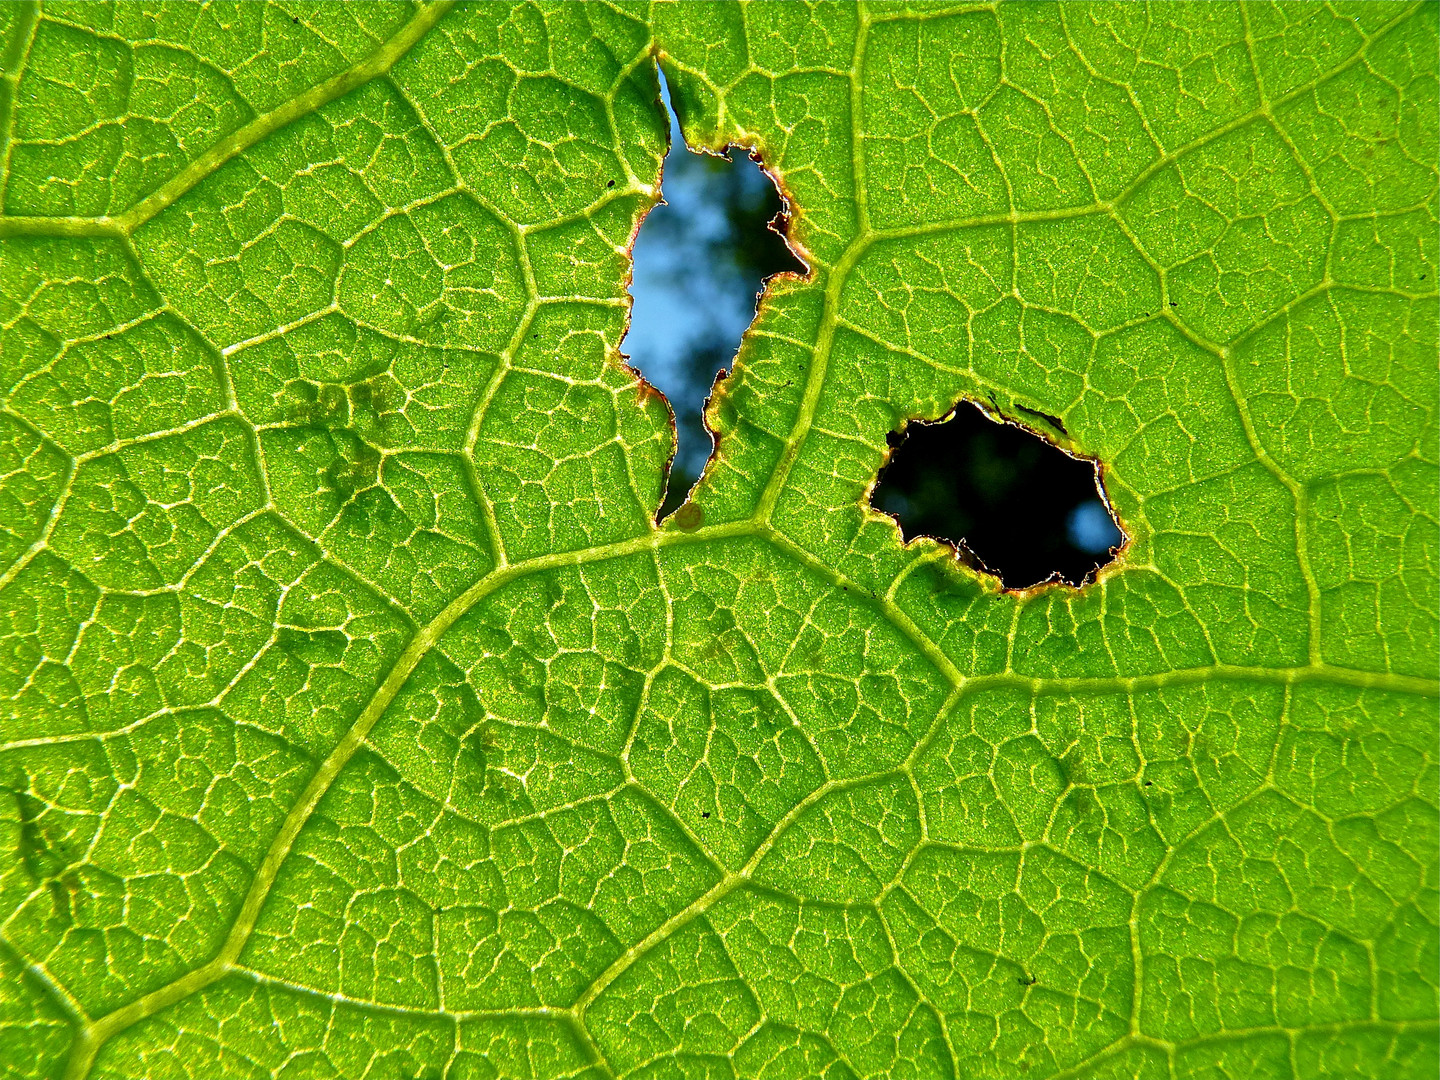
(370, 399)
(610, 184)
(323, 405)
(295, 19)
(1053, 421)
(313, 647)
(706, 814)
(1174, 304)
(1027, 980)
(1149, 783)
(62, 895)
(32, 845)
(43, 858)
(354, 468)
(690, 516)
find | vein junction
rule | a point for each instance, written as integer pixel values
(464, 334)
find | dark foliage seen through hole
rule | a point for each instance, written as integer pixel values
(1023, 508)
(701, 258)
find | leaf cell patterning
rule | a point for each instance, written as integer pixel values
(361, 722)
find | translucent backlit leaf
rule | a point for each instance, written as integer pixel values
(359, 722)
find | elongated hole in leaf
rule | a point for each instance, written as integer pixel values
(701, 259)
(1014, 504)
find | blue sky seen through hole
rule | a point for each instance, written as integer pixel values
(700, 261)
(701, 258)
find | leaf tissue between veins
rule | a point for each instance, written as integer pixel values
(358, 719)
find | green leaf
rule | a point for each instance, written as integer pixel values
(360, 722)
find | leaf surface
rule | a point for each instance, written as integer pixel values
(360, 722)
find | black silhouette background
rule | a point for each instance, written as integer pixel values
(1022, 506)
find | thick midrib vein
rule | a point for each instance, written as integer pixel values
(94, 1034)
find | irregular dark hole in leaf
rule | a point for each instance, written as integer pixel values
(1014, 504)
(701, 259)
